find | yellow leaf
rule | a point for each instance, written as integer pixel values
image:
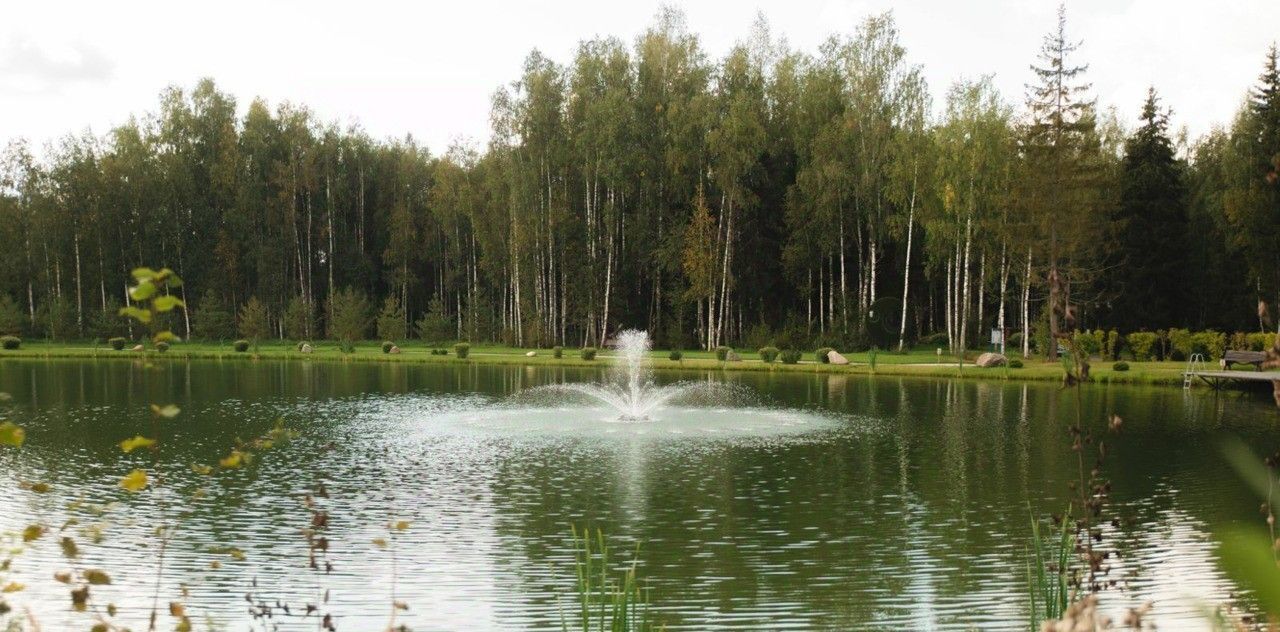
(111, 609)
(140, 315)
(12, 587)
(134, 481)
(176, 609)
(96, 577)
(380, 542)
(33, 532)
(63, 577)
(167, 302)
(143, 274)
(201, 469)
(69, 547)
(215, 564)
(168, 411)
(236, 554)
(233, 460)
(184, 625)
(129, 445)
(145, 290)
(400, 605)
(39, 488)
(11, 434)
(166, 336)
(401, 525)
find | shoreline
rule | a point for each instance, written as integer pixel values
(1167, 373)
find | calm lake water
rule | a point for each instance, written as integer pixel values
(830, 502)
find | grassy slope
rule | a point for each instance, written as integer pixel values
(913, 363)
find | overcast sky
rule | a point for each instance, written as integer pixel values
(428, 68)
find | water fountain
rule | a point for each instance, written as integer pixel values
(632, 393)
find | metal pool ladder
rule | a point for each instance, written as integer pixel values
(1195, 363)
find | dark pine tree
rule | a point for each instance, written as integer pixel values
(1153, 220)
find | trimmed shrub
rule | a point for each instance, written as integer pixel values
(1015, 363)
(240, 346)
(1113, 344)
(1180, 344)
(821, 355)
(162, 346)
(676, 355)
(346, 346)
(1142, 344)
(1087, 342)
(790, 356)
(1259, 341)
(462, 350)
(387, 345)
(557, 352)
(10, 342)
(1211, 343)
(768, 354)
(722, 353)
(117, 343)
(1120, 366)
(588, 353)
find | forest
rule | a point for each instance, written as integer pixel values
(772, 196)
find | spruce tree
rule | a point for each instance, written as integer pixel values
(1153, 227)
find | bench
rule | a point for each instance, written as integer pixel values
(1256, 358)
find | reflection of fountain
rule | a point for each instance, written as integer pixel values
(632, 394)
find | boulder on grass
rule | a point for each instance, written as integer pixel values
(531, 354)
(306, 348)
(137, 347)
(834, 357)
(732, 356)
(394, 350)
(988, 360)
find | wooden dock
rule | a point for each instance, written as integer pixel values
(1217, 379)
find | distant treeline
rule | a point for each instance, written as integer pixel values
(769, 197)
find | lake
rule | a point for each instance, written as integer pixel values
(804, 502)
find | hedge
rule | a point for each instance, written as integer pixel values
(768, 354)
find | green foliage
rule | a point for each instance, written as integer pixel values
(12, 319)
(588, 353)
(462, 350)
(790, 356)
(254, 324)
(1120, 366)
(435, 326)
(1112, 346)
(106, 323)
(821, 355)
(1248, 552)
(212, 319)
(1048, 575)
(768, 354)
(1015, 363)
(298, 319)
(616, 604)
(557, 352)
(56, 318)
(676, 355)
(1212, 344)
(240, 346)
(162, 346)
(759, 335)
(1142, 344)
(387, 345)
(1088, 343)
(391, 320)
(117, 343)
(1180, 343)
(722, 353)
(348, 311)
(1259, 342)
(10, 342)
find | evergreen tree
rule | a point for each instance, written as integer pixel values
(1153, 226)
(212, 320)
(255, 322)
(391, 325)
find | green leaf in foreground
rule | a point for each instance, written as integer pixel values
(11, 434)
(167, 302)
(1248, 558)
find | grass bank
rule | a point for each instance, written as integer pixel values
(919, 363)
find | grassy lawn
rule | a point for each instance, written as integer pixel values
(918, 362)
